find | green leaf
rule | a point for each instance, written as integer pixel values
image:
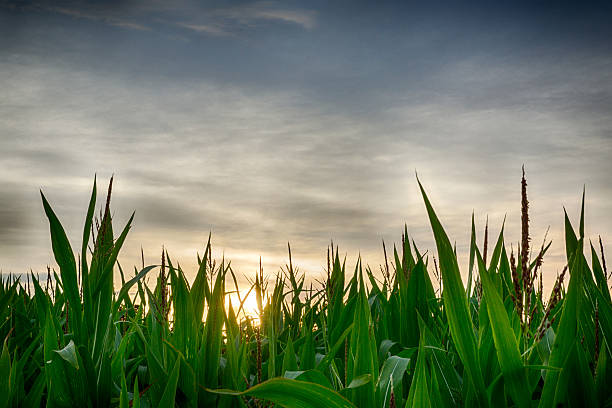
(65, 259)
(35, 393)
(360, 381)
(128, 285)
(200, 291)
(213, 337)
(363, 355)
(391, 376)
(124, 400)
(576, 384)
(600, 277)
(567, 332)
(508, 354)
(495, 256)
(107, 273)
(168, 397)
(419, 390)
(5, 375)
(289, 359)
(136, 398)
(334, 350)
(87, 303)
(311, 376)
(472, 253)
(58, 392)
(456, 305)
(69, 354)
(293, 394)
(571, 242)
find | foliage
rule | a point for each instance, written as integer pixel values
(365, 340)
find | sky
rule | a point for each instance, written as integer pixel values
(272, 122)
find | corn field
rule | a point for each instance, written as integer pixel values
(389, 337)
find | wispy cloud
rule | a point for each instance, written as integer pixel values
(303, 18)
(211, 29)
(251, 13)
(98, 17)
(225, 21)
(195, 17)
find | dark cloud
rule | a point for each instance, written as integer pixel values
(13, 216)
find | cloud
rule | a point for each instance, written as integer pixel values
(249, 13)
(305, 19)
(98, 16)
(262, 168)
(205, 28)
(229, 21)
(13, 216)
(215, 21)
(262, 144)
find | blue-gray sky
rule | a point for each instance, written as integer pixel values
(267, 122)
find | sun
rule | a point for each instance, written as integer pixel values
(249, 305)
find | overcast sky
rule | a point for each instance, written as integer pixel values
(267, 122)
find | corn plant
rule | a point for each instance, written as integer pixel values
(360, 338)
